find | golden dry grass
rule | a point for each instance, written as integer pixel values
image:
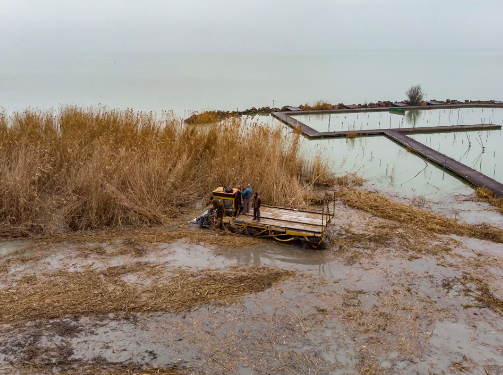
(485, 195)
(351, 135)
(95, 168)
(319, 105)
(383, 207)
(318, 173)
(60, 293)
(349, 180)
(207, 117)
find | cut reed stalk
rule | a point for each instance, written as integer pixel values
(485, 195)
(381, 206)
(90, 292)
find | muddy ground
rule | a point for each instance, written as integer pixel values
(375, 302)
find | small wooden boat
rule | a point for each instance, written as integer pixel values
(397, 111)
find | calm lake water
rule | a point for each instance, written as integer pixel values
(187, 82)
(481, 150)
(389, 168)
(411, 119)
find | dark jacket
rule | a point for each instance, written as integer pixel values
(238, 198)
(257, 202)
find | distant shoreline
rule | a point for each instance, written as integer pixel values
(217, 115)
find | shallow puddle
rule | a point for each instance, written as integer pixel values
(9, 247)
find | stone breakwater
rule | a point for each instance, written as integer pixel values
(215, 116)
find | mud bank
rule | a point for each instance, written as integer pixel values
(375, 302)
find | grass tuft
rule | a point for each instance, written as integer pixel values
(319, 105)
(486, 195)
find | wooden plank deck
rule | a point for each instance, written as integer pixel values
(282, 225)
(461, 170)
(282, 219)
(355, 109)
(419, 130)
(447, 129)
(291, 215)
(294, 123)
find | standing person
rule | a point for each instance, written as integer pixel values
(238, 202)
(247, 194)
(257, 202)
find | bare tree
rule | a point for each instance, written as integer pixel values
(415, 95)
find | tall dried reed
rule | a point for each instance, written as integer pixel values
(89, 168)
(319, 105)
(207, 117)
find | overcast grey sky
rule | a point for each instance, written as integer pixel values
(285, 26)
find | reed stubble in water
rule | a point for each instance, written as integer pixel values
(54, 295)
(95, 168)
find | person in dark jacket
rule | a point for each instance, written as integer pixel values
(247, 194)
(257, 202)
(237, 202)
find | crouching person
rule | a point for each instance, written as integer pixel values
(218, 208)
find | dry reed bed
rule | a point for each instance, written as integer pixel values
(94, 168)
(60, 293)
(320, 105)
(208, 117)
(485, 195)
(422, 220)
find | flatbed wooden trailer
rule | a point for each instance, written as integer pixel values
(280, 223)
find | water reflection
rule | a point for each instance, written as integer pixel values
(412, 117)
(351, 143)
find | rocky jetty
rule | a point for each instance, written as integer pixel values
(216, 116)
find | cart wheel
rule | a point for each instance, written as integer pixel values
(316, 245)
